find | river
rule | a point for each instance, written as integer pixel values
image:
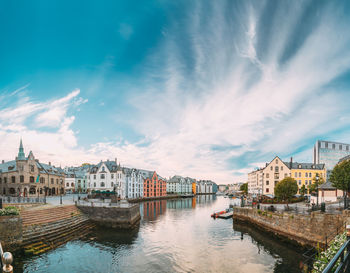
(173, 236)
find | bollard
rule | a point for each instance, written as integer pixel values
(7, 260)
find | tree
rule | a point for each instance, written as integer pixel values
(286, 189)
(340, 178)
(303, 190)
(244, 188)
(316, 183)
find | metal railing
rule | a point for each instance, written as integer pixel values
(21, 200)
(6, 261)
(343, 255)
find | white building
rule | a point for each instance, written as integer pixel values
(106, 176)
(69, 182)
(255, 181)
(134, 183)
(204, 187)
(179, 185)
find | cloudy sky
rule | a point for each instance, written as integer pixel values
(208, 89)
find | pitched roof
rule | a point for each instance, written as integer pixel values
(4, 167)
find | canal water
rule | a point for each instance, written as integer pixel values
(174, 236)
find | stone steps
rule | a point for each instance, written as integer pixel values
(33, 234)
(43, 216)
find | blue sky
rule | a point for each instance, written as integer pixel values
(209, 89)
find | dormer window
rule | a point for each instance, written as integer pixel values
(103, 169)
(299, 166)
(313, 166)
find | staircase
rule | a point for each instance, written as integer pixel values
(46, 229)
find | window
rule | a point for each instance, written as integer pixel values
(267, 182)
(52, 181)
(21, 178)
(299, 182)
(102, 176)
(42, 180)
(94, 184)
(94, 176)
(103, 169)
(32, 168)
(299, 166)
(112, 184)
(340, 147)
(299, 174)
(306, 174)
(276, 183)
(31, 179)
(277, 176)
(281, 168)
(285, 175)
(0, 180)
(57, 181)
(347, 148)
(310, 182)
(296, 174)
(310, 175)
(102, 184)
(67, 184)
(333, 146)
(13, 179)
(267, 175)
(276, 169)
(267, 190)
(271, 168)
(276, 161)
(112, 176)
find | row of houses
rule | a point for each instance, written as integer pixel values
(26, 176)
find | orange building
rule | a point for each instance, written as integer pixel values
(154, 185)
(194, 187)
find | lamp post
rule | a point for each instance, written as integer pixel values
(317, 187)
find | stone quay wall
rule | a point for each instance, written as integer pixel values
(315, 229)
(10, 232)
(114, 217)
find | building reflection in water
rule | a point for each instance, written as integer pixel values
(152, 209)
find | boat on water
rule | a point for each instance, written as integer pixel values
(218, 214)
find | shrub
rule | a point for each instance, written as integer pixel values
(326, 256)
(9, 211)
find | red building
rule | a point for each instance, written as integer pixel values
(154, 185)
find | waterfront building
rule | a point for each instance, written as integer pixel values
(153, 185)
(222, 188)
(134, 182)
(204, 187)
(255, 182)
(77, 178)
(26, 176)
(69, 182)
(274, 172)
(305, 173)
(103, 177)
(179, 185)
(329, 153)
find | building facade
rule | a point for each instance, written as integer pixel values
(204, 187)
(305, 173)
(255, 182)
(104, 177)
(179, 185)
(153, 184)
(329, 153)
(274, 172)
(26, 176)
(134, 183)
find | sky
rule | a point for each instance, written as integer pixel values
(206, 89)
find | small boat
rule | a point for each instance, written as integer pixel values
(216, 214)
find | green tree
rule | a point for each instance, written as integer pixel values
(303, 190)
(316, 182)
(286, 189)
(244, 188)
(340, 178)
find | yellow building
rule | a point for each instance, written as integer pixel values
(305, 173)
(194, 187)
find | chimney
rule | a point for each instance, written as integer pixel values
(267, 164)
(116, 161)
(50, 163)
(3, 161)
(291, 163)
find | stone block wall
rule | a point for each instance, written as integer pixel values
(316, 228)
(10, 232)
(116, 217)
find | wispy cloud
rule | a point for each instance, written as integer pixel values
(230, 85)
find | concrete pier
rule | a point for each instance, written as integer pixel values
(122, 215)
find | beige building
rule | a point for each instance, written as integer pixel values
(26, 176)
(274, 172)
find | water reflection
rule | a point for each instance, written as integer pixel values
(174, 236)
